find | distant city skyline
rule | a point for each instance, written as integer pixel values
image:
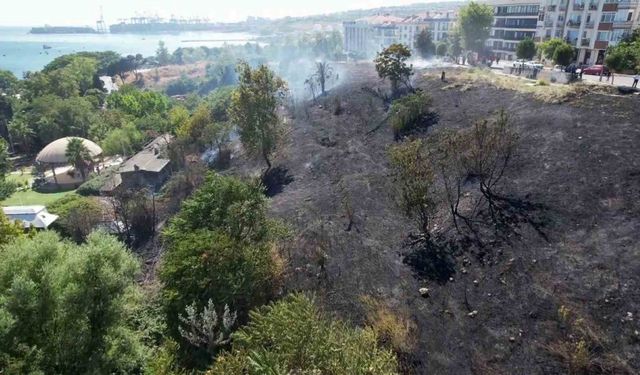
(87, 12)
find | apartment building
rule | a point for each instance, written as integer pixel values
(589, 25)
(514, 20)
(369, 35)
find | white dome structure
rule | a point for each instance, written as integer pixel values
(55, 152)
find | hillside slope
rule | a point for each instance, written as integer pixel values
(536, 299)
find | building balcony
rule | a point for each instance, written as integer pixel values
(622, 24)
(560, 24)
(502, 14)
(601, 44)
(627, 5)
(552, 8)
(572, 42)
(593, 6)
(548, 24)
(562, 7)
(578, 6)
(585, 42)
(589, 25)
(574, 24)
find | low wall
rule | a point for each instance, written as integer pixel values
(553, 76)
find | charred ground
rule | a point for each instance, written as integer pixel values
(536, 298)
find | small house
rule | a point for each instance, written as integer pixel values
(30, 216)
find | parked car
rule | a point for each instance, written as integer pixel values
(596, 70)
(522, 63)
(535, 64)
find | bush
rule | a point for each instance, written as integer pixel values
(7, 188)
(78, 216)
(92, 186)
(410, 113)
(182, 86)
(293, 337)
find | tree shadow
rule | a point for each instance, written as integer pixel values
(275, 179)
(431, 260)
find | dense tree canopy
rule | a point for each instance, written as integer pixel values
(63, 307)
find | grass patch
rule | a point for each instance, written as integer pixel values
(31, 197)
(548, 93)
(20, 179)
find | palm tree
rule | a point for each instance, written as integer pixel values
(78, 155)
(21, 132)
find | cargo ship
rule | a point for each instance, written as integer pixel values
(63, 30)
(153, 25)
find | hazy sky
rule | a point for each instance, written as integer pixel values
(86, 12)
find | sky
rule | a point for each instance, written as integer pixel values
(86, 12)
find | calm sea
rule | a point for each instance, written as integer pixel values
(21, 51)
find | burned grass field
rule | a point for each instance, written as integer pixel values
(560, 298)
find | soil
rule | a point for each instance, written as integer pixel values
(580, 160)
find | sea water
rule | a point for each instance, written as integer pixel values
(21, 52)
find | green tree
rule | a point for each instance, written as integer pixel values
(5, 161)
(78, 155)
(138, 103)
(442, 49)
(64, 307)
(9, 231)
(563, 55)
(292, 336)
(415, 176)
(455, 48)
(8, 81)
(625, 56)
(474, 22)
(162, 54)
(424, 44)
(526, 49)
(548, 48)
(391, 64)
(124, 141)
(254, 106)
(224, 203)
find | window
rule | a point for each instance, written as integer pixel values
(629, 16)
(603, 36)
(608, 17)
(617, 35)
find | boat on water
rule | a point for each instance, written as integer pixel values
(63, 30)
(45, 46)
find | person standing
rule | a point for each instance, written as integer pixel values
(636, 78)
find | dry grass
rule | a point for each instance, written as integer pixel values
(583, 349)
(548, 93)
(393, 329)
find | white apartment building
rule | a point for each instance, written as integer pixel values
(589, 25)
(369, 35)
(514, 20)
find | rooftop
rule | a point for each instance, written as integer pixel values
(31, 216)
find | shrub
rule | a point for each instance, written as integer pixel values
(293, 337)
(414, 177)
(7, 188)
(410, 113)
(78, 216)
